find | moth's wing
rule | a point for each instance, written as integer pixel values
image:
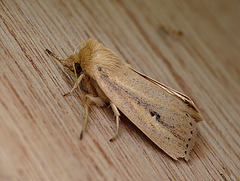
(180, 95)
(166, 118)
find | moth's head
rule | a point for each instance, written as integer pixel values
(92, 55)
(70, 64)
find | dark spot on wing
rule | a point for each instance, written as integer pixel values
(154, 113)
(104, 75)
(99, 68)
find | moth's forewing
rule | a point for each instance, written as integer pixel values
(194, 111)
(165, 118)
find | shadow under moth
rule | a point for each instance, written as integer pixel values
(166, 116)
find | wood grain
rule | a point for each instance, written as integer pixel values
(39, 128)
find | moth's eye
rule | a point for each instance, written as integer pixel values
(78, 68)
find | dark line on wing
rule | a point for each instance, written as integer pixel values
(143, 103)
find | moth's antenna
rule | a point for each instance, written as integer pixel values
(55, 56)
(78, 46)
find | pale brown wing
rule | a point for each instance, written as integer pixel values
(168, 120)
(185, 98)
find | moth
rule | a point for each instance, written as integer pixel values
(166, 116)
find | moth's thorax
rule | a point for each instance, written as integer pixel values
(94, 56)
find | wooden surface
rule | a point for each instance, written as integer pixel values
(39, 128)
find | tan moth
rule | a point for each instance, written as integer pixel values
(166, 116)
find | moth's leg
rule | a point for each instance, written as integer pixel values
(86, 105)
(88, 99)
(97, 100)
(117, 114)
(79, 79)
